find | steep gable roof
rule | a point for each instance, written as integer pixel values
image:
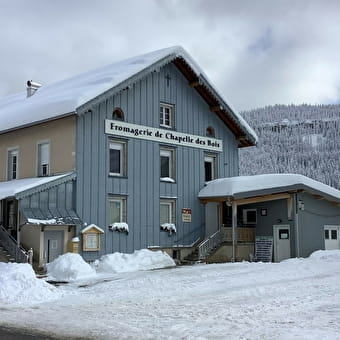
(74, 95)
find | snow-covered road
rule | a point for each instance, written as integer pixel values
(295, 299)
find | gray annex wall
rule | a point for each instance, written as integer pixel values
(277, 214)
(316, 214)
(142, 187)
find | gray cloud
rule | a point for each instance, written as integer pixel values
(256, 52)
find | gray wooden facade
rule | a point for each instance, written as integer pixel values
(142, 186)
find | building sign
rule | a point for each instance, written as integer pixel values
(122, 129)
(186, 215)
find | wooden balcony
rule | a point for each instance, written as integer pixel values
(243, 234)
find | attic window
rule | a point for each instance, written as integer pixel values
(210, 131)
(118, 114)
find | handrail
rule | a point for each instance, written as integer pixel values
(209, 244)
(13, 248)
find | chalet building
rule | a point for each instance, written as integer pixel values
(119, 159)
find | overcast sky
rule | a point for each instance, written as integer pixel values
(256, 52)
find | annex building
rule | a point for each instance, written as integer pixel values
(120, 158)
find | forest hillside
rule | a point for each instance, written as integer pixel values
(302, 139)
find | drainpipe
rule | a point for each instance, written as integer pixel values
(234, 226)
(296, 222)
(18, 222)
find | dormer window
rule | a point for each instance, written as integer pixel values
(210, 131)
(118, 114)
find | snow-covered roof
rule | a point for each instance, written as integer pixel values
(18, 186)
(89, 227)
(67, 96)
(250, 186)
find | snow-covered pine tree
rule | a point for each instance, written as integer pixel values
(303, 139)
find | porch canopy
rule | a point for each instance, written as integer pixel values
(242, 190)
(43, 200)
(244, 187)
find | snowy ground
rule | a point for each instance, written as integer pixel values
(295, 299)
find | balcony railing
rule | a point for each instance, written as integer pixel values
(243, 234)
(13, 248)
(209, 244)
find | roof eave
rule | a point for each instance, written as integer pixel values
(296, 188)
(64, 115)
(204, 89)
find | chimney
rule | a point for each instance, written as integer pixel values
(32, 87)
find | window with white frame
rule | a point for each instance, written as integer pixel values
(167, 164)
(13, 164)
(117, 210)
(44, 159)
(249, 216)
(117, 158)
(166, 112)
(167, 211)
(210, 167)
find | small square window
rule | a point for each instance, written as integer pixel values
(117, 158)
(166, 114)
(284, 234)
(249, 216)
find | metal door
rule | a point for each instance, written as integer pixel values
(281, 242)
(53, 245)
(332, 237)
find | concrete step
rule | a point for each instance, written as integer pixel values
(4, 256)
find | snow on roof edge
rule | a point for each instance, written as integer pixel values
(20, 186)
(242, 185)
(92, 226)
(97, 83)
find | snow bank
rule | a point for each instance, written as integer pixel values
(140, 260)
(328, 255)
(69, 267)
(18, 284)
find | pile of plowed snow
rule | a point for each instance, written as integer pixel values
(140, 260)
(18, 284)
(69, 267)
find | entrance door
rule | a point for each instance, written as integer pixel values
(332, 237)
(211, 218)
(281, 242)
(53, 245)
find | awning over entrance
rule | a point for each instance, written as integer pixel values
(50, 216)
(19, 188)
(43, 200)
(242, 187)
